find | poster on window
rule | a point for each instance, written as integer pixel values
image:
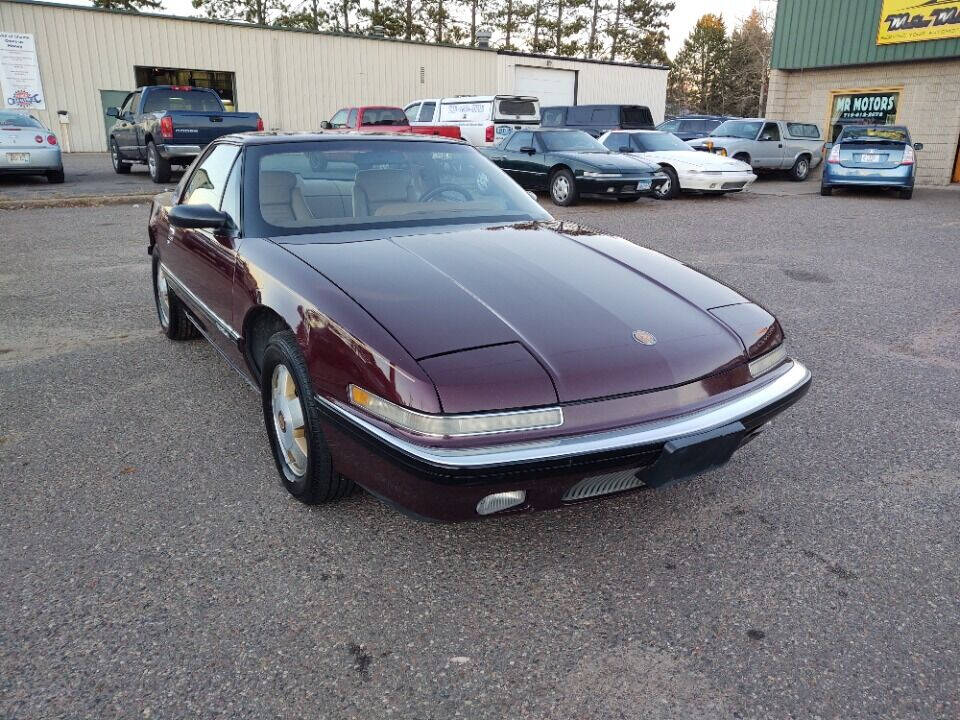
(918, 20)
(863, 108)
(20, 73)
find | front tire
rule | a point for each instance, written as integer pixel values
(170, 311)
(671, 188)
(563, 188)
(293, 425)
(159, 166)
(801, 169)
(119, 166)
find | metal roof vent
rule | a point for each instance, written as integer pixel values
(483, 38)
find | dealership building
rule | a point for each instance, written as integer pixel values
(873, 61)
(66, 64)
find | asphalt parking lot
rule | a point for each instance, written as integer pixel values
(152, 566)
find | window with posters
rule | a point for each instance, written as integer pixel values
(862, 107)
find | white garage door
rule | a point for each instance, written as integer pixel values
(553, 87)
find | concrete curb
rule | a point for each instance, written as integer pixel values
(78, 201)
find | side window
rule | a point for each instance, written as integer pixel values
(771, 132)
(205, 186)
(617, 141)
(133, 102)
(340, 119)
(553, 117)
(352, 118)
(231, 194)
(426, 112)
(670, 126)
(524, 138)
(411, 112)
(638, 145)
(604, 116)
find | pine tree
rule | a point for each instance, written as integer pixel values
(637, 31)
(508, 17)
(698, 74)
(260, 12)
(749, 58)
(131, 5)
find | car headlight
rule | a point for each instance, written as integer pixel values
(454, 425)
(766, 363)
(601, 175)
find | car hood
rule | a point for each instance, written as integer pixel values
(702, 160)
(614, 162)
(572, 298)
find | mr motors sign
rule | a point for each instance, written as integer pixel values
(866, 107)
(917, 20)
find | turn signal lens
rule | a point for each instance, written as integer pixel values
(501, 501)
(52, 139)
(834, 158)
(454, 425)
(908, 157)
(766, 363)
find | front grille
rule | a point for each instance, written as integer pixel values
(732, 186)
(603, 485)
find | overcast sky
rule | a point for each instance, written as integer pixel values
(682, 20)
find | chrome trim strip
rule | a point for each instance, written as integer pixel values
(564, 447)
(178, 150)
(221, 324)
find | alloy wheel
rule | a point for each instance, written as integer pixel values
(288, 422)
(163, 299)
(561, 188)
(152, 161)
(664, 190)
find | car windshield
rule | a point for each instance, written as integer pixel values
(325, 186)
(18, 120)
(661, 142)
(746, 130)
(384, 116)
(873, 134)
(570, 141)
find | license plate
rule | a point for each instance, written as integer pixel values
(504, 130)
(870, 158)
(644, 185)
(695, 454)
(18, 158)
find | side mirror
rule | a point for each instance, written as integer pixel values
(113, 112)
(325, 125)
(198, 217)
(918, 146)
(528, 150)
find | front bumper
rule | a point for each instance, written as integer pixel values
(42, 159)
(836, 176)
(717, 182)
(444, 483)
(176, 152)
(620, 187)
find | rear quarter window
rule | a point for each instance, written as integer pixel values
(804, 130)
(517, 108)
(637, 116)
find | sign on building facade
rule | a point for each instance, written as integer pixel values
(20, 73)
(904, 21)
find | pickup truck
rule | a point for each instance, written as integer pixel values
(383, 118)
(767, 144)
(167, 125)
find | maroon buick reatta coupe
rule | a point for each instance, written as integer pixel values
(417, 324)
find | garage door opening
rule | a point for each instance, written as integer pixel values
(552, 86)
(223, 82)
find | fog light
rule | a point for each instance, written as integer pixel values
(501, 501)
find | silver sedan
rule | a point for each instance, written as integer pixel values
(28, 147)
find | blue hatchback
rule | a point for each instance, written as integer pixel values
(871, 156)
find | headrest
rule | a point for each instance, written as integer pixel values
(389, 185)
(276, 186)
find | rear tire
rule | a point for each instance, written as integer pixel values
(826, 191)
(671, 188)
(170, 311)
(293, 425)
(563, 188)
(801, 169)
(159, 166)
(119, 166)
(906, 193)
(55, 176)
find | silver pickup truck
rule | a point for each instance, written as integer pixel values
(767, 144)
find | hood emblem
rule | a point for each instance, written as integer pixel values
(644, 338)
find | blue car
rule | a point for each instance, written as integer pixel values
(872, 156)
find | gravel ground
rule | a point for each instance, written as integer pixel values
(152, 566)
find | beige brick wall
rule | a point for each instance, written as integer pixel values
(929, 104)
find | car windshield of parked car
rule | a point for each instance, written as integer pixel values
(873, 134)
(18, 120)
(193, 100)
(738, 129)
(325, 186)
(384, 116)
(661, 142)
(571, 141)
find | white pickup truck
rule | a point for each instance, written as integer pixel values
(484, 120)
(767, 144)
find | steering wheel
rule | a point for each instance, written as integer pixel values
(434, 193)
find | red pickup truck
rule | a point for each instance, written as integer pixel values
(383, 118)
